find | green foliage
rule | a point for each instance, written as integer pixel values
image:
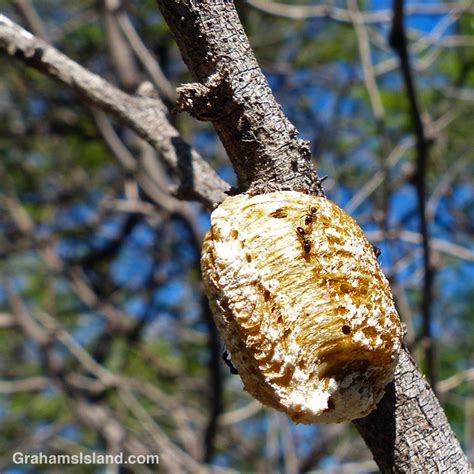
(100, 268)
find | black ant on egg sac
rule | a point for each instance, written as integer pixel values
(310, 216)
(377, 251)
(302, 235)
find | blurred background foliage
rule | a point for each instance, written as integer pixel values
(110, 272)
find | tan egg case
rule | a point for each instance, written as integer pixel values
(302, 305)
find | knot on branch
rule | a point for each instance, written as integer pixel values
(210, 101)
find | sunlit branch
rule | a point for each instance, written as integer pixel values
(438, 245)
(145, 115)
(302, 12)
(367, 66)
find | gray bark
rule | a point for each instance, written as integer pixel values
(232, 92)
(408, 432)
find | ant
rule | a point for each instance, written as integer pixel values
(306, 243)
(228, 361)
(311, 214)
(376, 250)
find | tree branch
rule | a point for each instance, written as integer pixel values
(327, 10)
(398, 42)
(409, 429)
(151, 66)
(145, 115)
(232, 92)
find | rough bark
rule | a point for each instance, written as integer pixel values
(409, 431)
(232, 92)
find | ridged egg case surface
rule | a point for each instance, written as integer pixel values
(302, 305)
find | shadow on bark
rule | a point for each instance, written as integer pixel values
(379, 430)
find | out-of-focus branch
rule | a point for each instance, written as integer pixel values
(434, 39)
(159, 80)
(398, 42)
(321, 446)
(240, 414)
(367, 66)
(144, 171)
(120, 56)
(125, 44)
(377, 179)
(27, 324)
(289, 448)
(145, 115)
(125, 68)
(30, 384)
(436, 244)
(26, 9)
(443, 186)
(392, 160)
(302, 12)
(46, 331)
(7, 321)
(452, 382)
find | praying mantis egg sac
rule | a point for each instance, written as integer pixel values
(302, 305)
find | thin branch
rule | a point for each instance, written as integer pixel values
(304, 12)
(443, 186)
(436, 244)
(7, 321)
(143, 170)
(151, 66)
(145, 115)
(288, 443)
(392, 160)
(398, 42)
(176, 459)
(457, 379)
(27, 10)
(350, 468)
(77, 350)
(31, 384)
(379, 176)
(240, 414)
(121, 57)
(29, 326)
(367, 66)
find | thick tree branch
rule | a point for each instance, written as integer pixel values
(409, 431)
(145, 115)
(232, 92)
